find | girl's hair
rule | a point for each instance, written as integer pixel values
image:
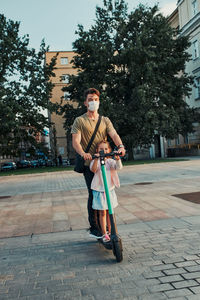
(103, 142)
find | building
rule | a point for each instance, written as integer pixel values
(189, 24)
(186, 17)
(58, 139)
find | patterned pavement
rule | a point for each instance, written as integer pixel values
(46, 253)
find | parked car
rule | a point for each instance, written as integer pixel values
(49, 163)
(66, 162)
(9, 166)
(23, 164)
(41, 162)
(34, 163)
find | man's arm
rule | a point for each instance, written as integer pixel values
(76, 143)
(117, 140)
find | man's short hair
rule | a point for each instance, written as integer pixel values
(91, 91)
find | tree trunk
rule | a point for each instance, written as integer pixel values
(130, 152)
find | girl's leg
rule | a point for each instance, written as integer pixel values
(102, 217)
(108, 221)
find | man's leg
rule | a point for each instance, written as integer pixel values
(92, 218)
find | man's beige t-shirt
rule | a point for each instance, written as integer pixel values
(86, 126)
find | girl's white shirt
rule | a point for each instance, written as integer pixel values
(111, 174)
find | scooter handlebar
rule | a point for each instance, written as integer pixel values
(113, 153)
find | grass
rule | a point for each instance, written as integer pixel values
(36, 170)
(70, 168)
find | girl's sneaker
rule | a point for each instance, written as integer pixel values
(106, 238)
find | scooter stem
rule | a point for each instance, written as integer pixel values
(110, 209)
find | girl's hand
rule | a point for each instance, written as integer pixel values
(117, 157)
(97, 155)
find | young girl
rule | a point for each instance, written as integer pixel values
(99, 197)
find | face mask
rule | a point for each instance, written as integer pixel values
(93, 105)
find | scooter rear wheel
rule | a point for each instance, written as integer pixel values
(117, 249)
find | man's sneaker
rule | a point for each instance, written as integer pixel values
(106, 238)
(95, 233)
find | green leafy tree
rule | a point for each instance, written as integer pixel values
(25, 89)
(137, 61)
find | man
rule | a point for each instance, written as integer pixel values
(82, 131)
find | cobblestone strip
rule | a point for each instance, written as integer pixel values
(72, 266)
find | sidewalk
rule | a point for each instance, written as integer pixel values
(46, 252)
(161, 261)
(26, 214)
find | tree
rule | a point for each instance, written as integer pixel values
(25, 88)
(137, 61)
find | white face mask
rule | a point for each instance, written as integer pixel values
(93, 105)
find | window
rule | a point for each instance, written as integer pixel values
(197, 88)
(65, 78)
(195, 49)
(194, 7)
(66, 96)
(64, 60)
(169, 142)
(177, 141)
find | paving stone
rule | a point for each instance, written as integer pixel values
(185, 283)
(40, 297)
(194, 268)
(174, 271)
(162, 267)
(191, 257)
(151, 274)
(146, 282)
(178, 293)
(160, 287)
(193, 297)
(195, 290)
(28, 292)
(157, 296)
(171, 278)
(193, 275)
(172, 260)
(185, 264)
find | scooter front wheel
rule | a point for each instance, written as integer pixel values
(117, 249)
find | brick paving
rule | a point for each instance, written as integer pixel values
(46, 253)
(57, 211)
(70, 265)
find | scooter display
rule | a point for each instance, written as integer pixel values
(116, 243)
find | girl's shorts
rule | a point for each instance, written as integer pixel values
(100, 202)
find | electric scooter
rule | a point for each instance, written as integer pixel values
(116, 243)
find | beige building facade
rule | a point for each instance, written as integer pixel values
(58, 139)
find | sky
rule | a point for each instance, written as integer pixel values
(56, 21)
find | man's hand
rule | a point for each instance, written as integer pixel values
(122, 151)
(87, 156)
